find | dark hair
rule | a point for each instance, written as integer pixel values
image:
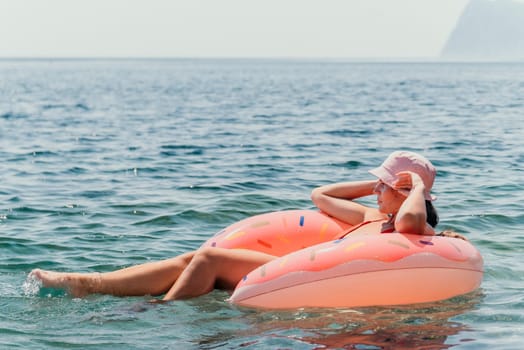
(431, 214)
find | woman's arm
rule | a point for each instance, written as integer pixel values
(337, 200)
(411, 217)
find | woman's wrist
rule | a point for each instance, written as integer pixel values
(418, 188)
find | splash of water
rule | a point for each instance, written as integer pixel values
(32, 285)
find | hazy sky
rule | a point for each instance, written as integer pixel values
(227, 28)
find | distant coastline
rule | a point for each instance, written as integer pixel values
(488, 31)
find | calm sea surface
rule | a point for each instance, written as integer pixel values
(110, 163)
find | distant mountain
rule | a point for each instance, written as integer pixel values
(488, 31)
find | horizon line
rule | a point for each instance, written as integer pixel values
(270, 58)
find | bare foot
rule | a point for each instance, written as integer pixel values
(76, 284)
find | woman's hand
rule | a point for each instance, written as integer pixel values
(452, 234)
(408, 180)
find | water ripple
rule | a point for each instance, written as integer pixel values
(110, 163)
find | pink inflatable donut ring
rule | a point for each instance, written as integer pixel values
(315, 269)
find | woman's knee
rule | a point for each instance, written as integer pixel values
(187, 257)
(212, 252)
(179, 261)
(204, 256)
(212, 259)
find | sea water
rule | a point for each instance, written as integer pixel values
(110, 163)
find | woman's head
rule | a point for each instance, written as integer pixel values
(389, 199)
(400, 161)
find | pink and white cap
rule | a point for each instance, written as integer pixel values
(407, 161)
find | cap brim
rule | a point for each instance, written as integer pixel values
(386, 176)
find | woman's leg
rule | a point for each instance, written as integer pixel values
(215, 268)
(153, 278)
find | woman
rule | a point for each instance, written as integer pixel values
(403, 197)
(404, 205)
